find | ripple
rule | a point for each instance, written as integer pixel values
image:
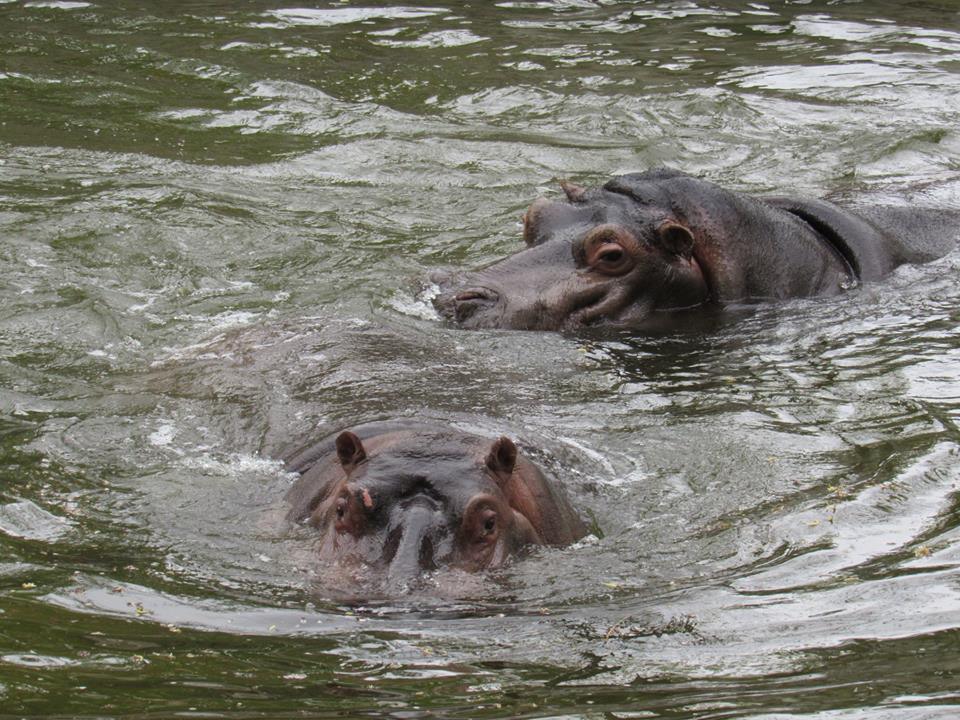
(825, 26)
(25, 519)
(215, 218)
(325, 17)
(616, 25)
(103, 596)
(58, 4)
(435, 39)
(819, 80)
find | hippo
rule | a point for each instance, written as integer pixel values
(657, 248)
(403, 498)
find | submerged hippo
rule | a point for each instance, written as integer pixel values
(405, 498)
(648, 245)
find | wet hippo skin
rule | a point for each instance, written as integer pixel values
(648, 247)
(402, 498)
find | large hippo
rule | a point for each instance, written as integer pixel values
(646, 246)
(404, 498)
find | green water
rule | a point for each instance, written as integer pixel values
(215, 224)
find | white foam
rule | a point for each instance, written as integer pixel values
(24, 519)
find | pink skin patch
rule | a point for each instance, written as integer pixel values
(367, 500)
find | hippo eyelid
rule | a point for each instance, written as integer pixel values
(614, 254)
(609, 250)
(610, 233)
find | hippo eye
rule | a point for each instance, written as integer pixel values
(612, 256)
(609, 249)
(347, 516)
(609, 258)
(487, 525)
(484, 525)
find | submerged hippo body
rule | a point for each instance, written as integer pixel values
(648, 245)
(403, 498)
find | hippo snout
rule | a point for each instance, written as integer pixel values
(417, 540)
(469, 304)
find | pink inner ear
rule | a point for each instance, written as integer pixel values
(502, 456)
(675, 238)
(530, 220)
(349, 449)
(574, 192)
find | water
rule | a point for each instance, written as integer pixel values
(214, 222)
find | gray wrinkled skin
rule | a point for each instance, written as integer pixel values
(646, 246)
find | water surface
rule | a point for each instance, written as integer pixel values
(214, 222)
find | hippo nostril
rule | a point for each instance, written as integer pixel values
(468, 302)
(476, 294)
(392, 544)
(426, 555)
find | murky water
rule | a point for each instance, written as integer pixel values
(214, 220)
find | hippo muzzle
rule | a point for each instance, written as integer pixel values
(418, 540)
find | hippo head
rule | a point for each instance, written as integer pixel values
(617, 255)
(407, 505)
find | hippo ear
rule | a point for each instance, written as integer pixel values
(502, 457)
(575, 193)
(350, 450)
(675, 238)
